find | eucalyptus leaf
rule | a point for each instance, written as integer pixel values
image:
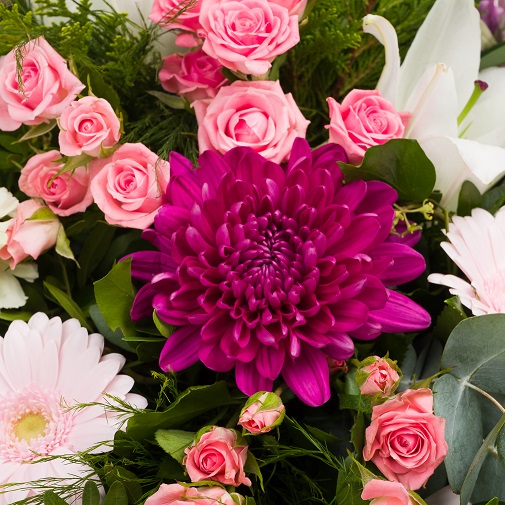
(114, 296)
(174, 442)
(90, 495)
(399, 162)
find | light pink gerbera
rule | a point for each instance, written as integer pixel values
(45, 367)
(477, 245)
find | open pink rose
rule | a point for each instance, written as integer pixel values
(48, 86)
(364, 119)
(245, 36)
(175, 494)
(25, 237)
(129, 185)
(88, 125)
(194, 75)
(218, 455)
(255, 114)
(262, 413)
(383, 492)
(405, 440)
(66, 194)
(163, 11)
(377, 376)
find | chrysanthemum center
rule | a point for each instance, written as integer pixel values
(31, 425)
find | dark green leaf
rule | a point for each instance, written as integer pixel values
(129, 480)
(66, 302)
(358, 433)
(174, 442)
(51, 498)
(90, 495)
(114, 337)
(173, 101)
(37, 131)
(114, 296)
(191, 403)
(116, 495)
(7, 315)
(251, 467)
(469, 198)
(493, 57)
(165, 329)
(402, 164)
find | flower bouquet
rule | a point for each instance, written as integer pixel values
(251, 252)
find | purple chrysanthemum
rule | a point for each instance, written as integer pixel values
(269, 269)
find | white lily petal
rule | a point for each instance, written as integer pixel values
(433, 104)
(8, 203)
(385, 33)
(11, 292)
(27, 271)
(458, 160)
(450, 34)
(484, 122)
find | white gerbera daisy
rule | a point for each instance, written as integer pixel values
(47, 365)
(476, 245)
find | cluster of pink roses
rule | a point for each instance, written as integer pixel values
(405, 440)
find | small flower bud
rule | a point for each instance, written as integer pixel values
(262, 412)
(378, 377)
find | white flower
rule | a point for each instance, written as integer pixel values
(476, 245)
(45, 367)
(12, 295)
(435, 83)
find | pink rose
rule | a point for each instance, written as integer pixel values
(218, 455)
(262, 413)
(26, 238)
(256, 114)
(383, 492)
(175, 494)
(377, 376)
(48, 86)
(405, 440)
(163, 11)
(66, 194)
(245, 36)
(294, 7)
(364, 119)
(130, 185)
(194, 75)
(87, 126)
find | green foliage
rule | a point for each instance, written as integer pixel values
(476, 371)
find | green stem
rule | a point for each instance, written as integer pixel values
(487, 395)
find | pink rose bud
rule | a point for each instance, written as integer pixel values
(245, 36)
(364, 119)
(88, 126)
(194, 75)
(255, 114)
(405, 440)
(25, 237)
(337, 365)
(175, 494)
(378, 376)
(47, 86)
(64, 194)
(262, 412)
(383, 492)
(220, 455)
(163, 11)
(129, 185)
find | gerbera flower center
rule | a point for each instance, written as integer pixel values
(33, 423)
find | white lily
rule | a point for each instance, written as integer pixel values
(435, 83)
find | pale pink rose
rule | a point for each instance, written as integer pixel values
(27, 237)
(129, 185)
(194, 75)
(383, 492)
(255, 114)
(88, 125)
(48, 86)
(364, 119)
(294, 7)
(246, 36)
(262, 413)
(405, 440)
(377, 378)
(175, 494)
(219, 455)
(65, 194)
(163, 11)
